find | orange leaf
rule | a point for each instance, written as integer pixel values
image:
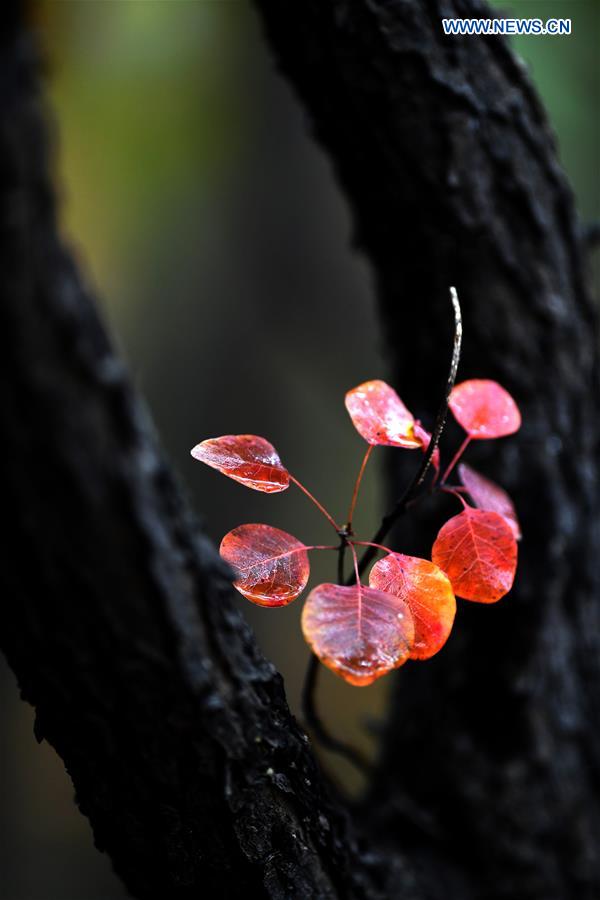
(478, 552)
(380, 416)
(486, 494)
(427, 592)
(272, 567)
(246, 458)
(484, 409)
(358, 632)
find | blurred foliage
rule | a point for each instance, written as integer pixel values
(149, 120)
(566, 72)
(218, 243)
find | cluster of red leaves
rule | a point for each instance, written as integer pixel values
(407, 610)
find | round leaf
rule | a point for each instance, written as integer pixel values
(486, 494)
(358, 632)
(478, 552)
(246, 458)
(484, 409)
(271, 565)
(380, 416)
(427, 592)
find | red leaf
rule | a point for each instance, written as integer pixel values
(271, 565)
(478, 552)
(427, 592)
(380, 416)
(486, 494)
(358, 632)
(484, 409)
(424, 438)
(246, 458)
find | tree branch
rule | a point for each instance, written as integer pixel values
(117, 615)
(491, 761)
(413, 486)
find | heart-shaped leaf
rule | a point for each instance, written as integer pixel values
(271, 565)
(246, 458)
(484, 409)
(380, 416)
(478, 552)
(486, 494)
(427, 592)
(358, 632)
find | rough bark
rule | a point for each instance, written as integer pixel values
(117, 615)
(490, 764)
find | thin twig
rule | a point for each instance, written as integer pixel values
(341, 555)
(357, 486)
(311, 716)
(392, 517)
(318, 730)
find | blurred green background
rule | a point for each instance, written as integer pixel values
(219, 247)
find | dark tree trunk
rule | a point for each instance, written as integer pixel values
(117, 616)
(490, 767)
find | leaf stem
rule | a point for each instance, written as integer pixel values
(357, 486)
(455, 493)
(371, 544)
(319, 506)
(456, 457)
(309, 691)
(392, 517)
(287, 553)
(356, 572)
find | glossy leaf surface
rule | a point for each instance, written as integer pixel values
(271, 565)
(478, 552)
(380, 416)
(484, 409)
(358, 632)
(246, 458)
(427, 592)
(486, 494)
